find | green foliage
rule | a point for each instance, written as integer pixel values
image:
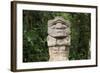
(35, 35)
(80, 36)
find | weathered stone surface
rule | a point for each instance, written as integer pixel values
(58, 19)
(58, 27)
(64, 41)
(58, 53)
(58, 39)
(51, 41)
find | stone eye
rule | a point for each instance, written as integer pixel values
(54, 23)
(63, 23)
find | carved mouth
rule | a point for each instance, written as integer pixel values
(60, 31)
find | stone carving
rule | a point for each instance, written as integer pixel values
(58, 39)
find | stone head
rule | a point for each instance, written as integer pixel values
(58, 27)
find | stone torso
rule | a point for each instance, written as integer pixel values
(58, 39)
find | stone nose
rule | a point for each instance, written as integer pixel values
(59, 26)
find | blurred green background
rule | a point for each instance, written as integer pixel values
(35, 35)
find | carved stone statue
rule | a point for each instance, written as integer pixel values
(58, 39)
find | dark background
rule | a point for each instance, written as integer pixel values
(35, 35)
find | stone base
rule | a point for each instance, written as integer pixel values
(58, 53)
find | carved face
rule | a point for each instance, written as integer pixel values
(58, 29)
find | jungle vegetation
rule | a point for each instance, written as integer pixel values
(35, 47)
